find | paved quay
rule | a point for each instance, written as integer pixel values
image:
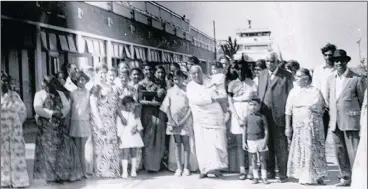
(166, 180)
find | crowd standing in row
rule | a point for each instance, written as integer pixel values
(98, 119)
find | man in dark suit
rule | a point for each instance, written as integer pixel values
(274, 86)
(345, 99)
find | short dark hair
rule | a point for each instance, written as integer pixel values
(255, 99)
(127, 99)
(328, 47)
(194, 60)
(138, 70)
(178, 73)
(261, 63)
(218, 65)
(293, 65)
(176, 65)
(160, 67)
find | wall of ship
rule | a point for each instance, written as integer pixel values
(39, 38)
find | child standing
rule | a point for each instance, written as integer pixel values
(255, 138)
(129, 135)
(80, 128)
(176, 106)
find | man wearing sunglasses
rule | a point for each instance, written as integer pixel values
(320, 78)
(274, 86)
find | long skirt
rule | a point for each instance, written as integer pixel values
(13, 152)
(211, 148)
(307, 157)
(193, 163)
(56, 155)
(154, 124)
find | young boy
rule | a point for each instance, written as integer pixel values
(255, 138)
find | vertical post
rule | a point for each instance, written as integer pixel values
(214, 37)
(109, 52)
(360, 55)
(38, 58)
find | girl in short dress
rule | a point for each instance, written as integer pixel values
(129, 135)
(176, 107)
(80, 128)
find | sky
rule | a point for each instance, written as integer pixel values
(300, 29)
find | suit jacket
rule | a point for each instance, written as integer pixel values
(345, 109)
(280, 85)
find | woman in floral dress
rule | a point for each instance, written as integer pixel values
(13, 151)
(153, 120)
(56, 158)
(305, 107)
(104, 99)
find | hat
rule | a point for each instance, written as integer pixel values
(341, 54)
(78, 74)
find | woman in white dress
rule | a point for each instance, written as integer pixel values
(208, 125)
(359, 177)
(240, 91)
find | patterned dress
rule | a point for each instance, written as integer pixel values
(13, 151)
(177, 100)
(104, 137)
(307, 158)
(154, 124)
(56, 156)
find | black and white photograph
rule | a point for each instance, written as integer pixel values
(183, 94)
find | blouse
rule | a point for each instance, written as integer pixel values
(40, 98)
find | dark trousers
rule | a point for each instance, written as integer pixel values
(326, 121)
(278, 151)
(346, 145)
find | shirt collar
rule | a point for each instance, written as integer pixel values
(274, 71)
(344, 74)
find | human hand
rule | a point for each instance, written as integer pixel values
(288, 133)
(134, 130)
(170, 128)
(245, 146)
(264, 145)
(57, 114)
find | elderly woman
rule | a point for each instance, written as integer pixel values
(13, 150)
(305, 107)
(55, 154)
(208, 124)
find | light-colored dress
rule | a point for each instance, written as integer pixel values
(359, 176)
(129, 140)
(13, 150)
(242, 91)
(56, 156)
(307, 158)
(104, 137)
(209, 129)
(80, 113)
(178, 102)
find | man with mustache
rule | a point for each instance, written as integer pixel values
(345, 98)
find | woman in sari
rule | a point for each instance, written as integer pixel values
(304, 125)
(153, 120)
(13, 150)
(359, 175)
(208, 125)
(104, 100)
(56, 158)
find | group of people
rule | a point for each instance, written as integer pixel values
(99, 121)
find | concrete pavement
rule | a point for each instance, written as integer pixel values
(166, 180)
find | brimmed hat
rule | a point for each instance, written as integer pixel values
(341, 54)
(74, 76)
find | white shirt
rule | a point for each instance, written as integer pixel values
(272, 74)
(339, 82)
(320, 78)
(41, 96)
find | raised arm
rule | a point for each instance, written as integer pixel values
(38, 106)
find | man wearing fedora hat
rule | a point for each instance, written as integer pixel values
(345, 98)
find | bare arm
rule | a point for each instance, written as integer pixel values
(265, 124)
(186, 117)
(38, 106)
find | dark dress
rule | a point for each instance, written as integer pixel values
(154, 124)
(56, 155)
